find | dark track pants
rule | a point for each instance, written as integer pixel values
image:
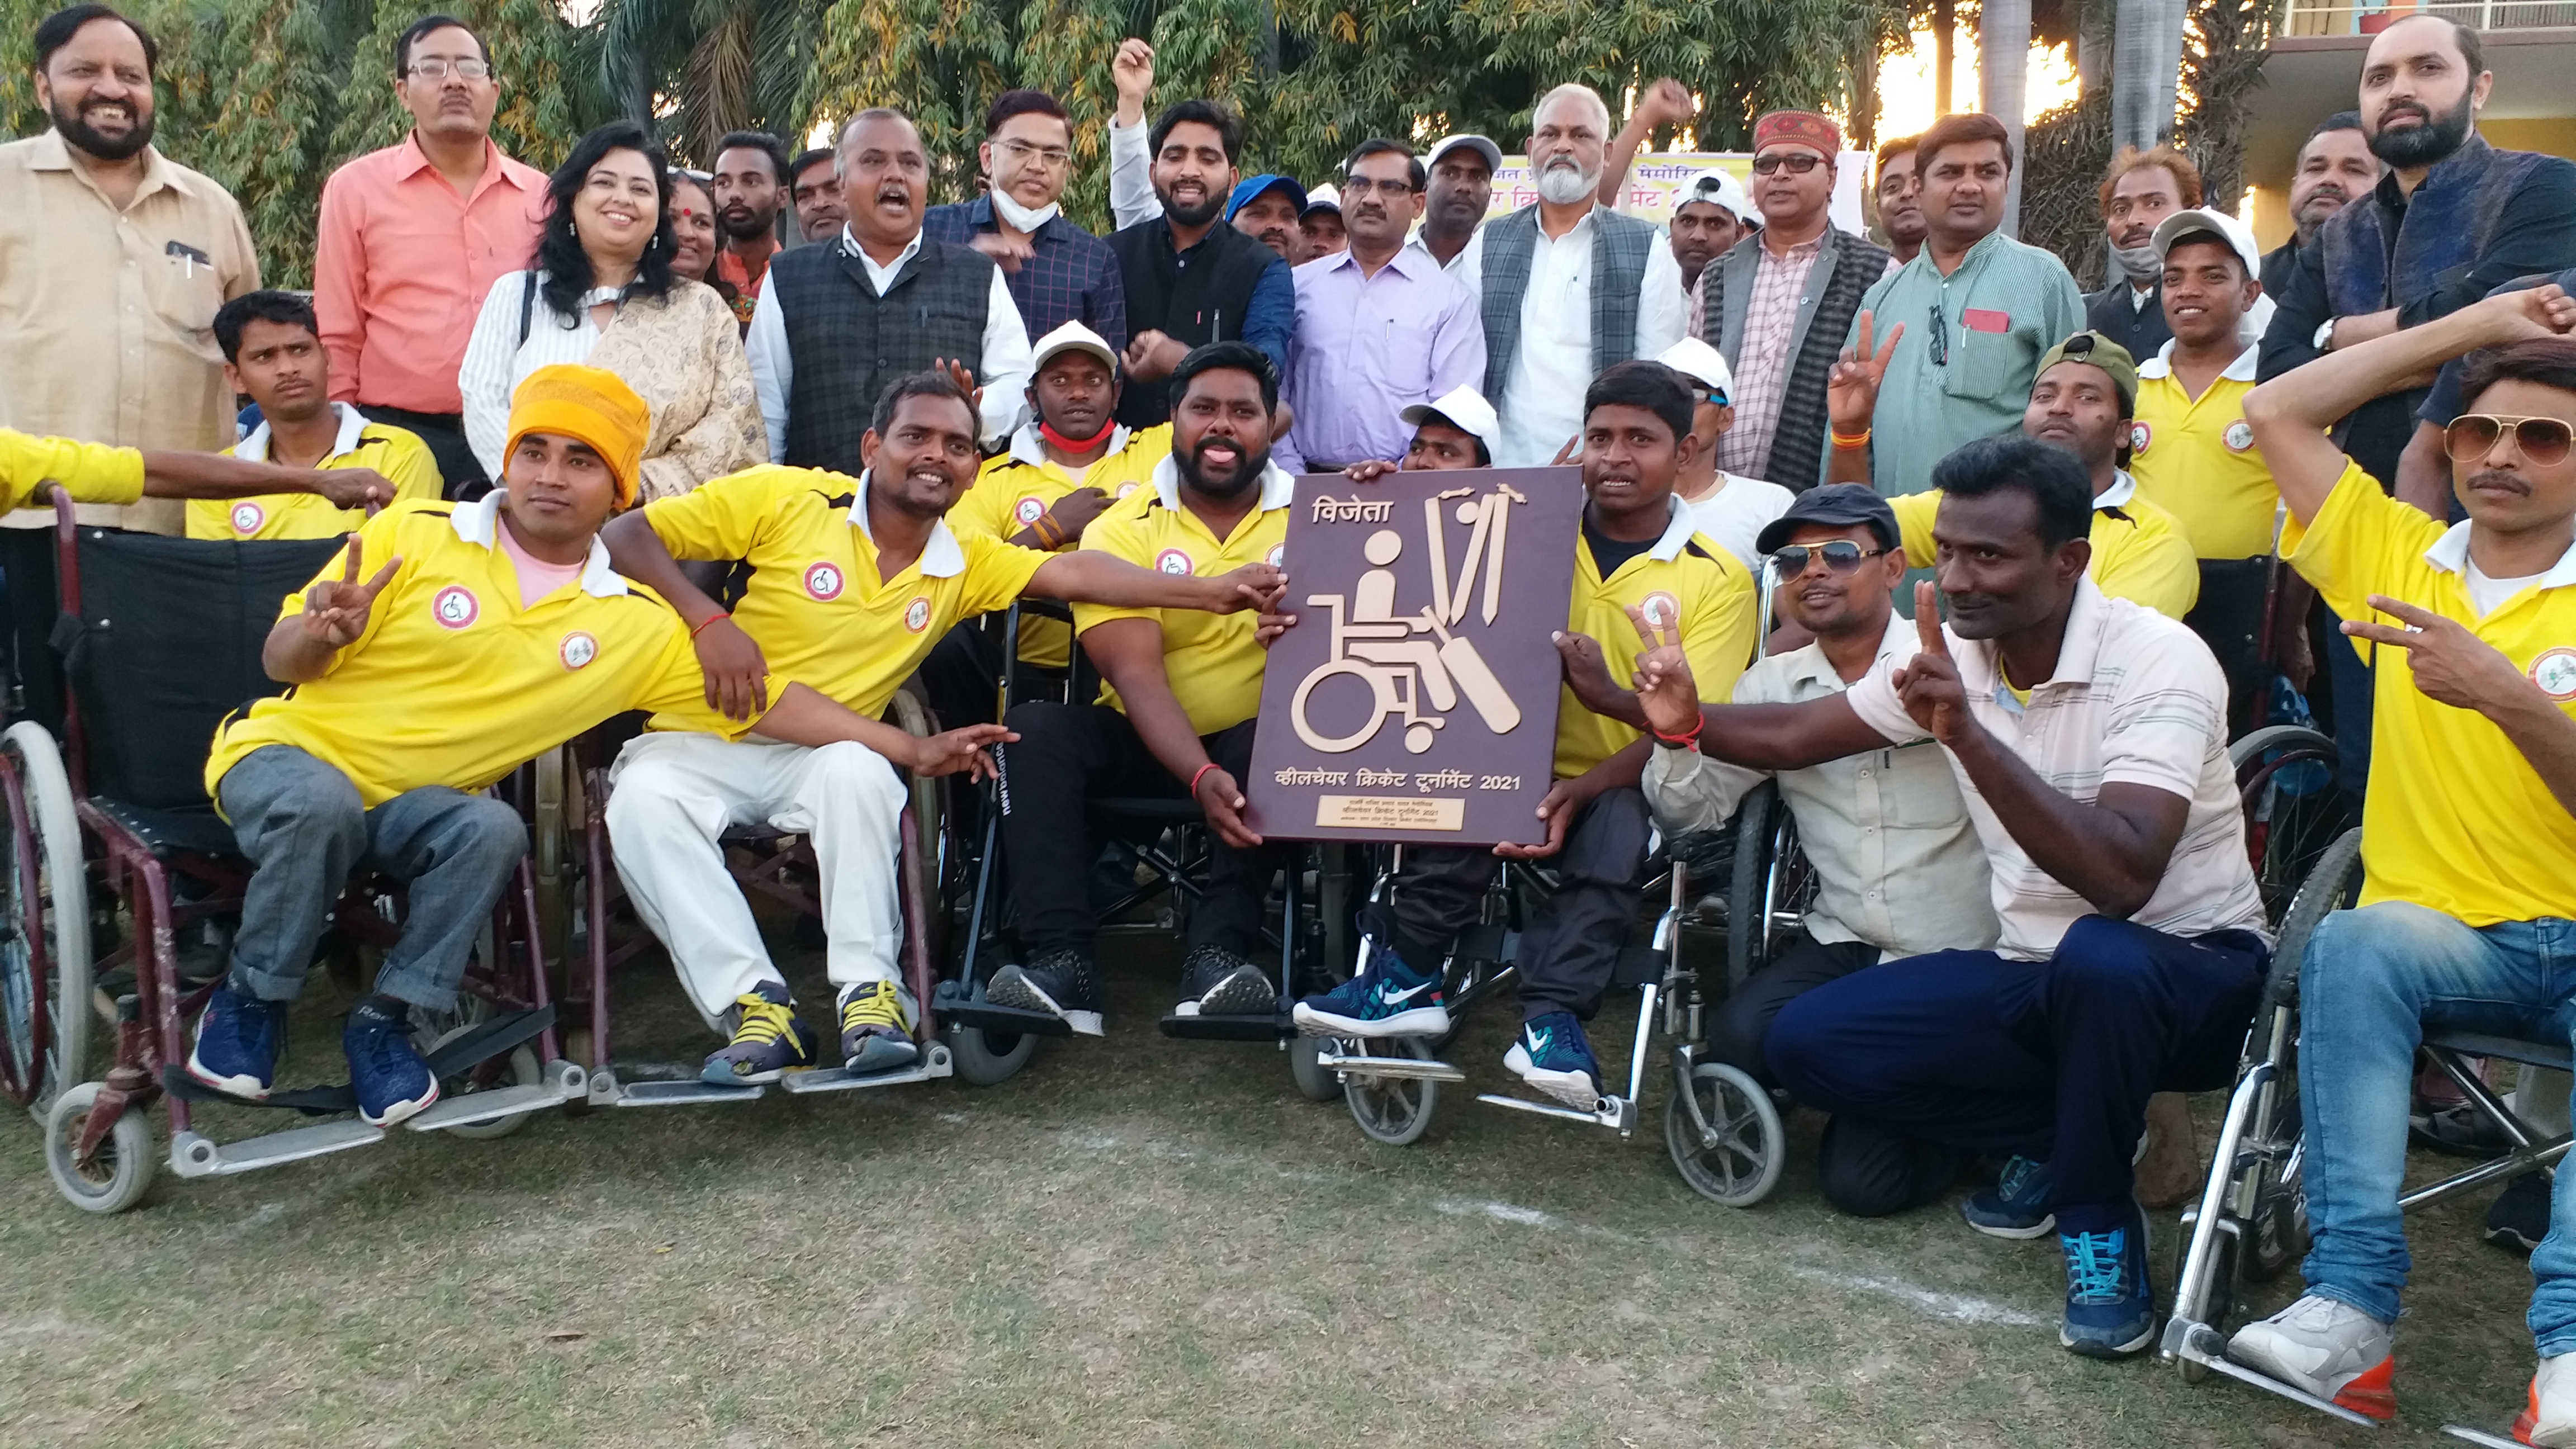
(1736, 1030)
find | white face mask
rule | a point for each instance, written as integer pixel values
(2140, 265)
(1021, 218)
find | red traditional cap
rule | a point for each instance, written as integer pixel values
(1803, 128)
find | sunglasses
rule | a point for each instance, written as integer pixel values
(2542, 440)
(1841, 556)
(1796, 163)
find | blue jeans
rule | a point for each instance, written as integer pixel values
(2373, 980)
(301, 823)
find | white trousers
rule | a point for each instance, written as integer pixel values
(671, 794)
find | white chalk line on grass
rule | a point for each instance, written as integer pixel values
(1958, 1307)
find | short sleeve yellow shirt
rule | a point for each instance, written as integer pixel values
(2456, 819)
(1685, 578)
(2195, 458)
(2140, 552)
(400, 455)
(1212, 661)
(1018, 487)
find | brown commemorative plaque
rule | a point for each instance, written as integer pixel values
(1416, 698)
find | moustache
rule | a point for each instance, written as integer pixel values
(2498, 478)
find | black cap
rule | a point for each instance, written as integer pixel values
(1833, 505)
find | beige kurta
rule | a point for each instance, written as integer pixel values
(683, 355)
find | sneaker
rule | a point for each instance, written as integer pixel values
(876, 1029)
(768, 1040)
(392, 1081)
(2110, 1305)
(237, 1043)
(2328, 1348)
(2017, 1205)
(1387, 999)
(1552, 1055)
(1217, 982)
(2519, 1217)
(2549, 1415)
(1062, 982)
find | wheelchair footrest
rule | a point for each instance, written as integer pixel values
(2201, 1344)
(565, 1083)
(2479, 1436)
(673, 1094)
(193, 1154)
(936, 1061)
(1613, 1112)
(951, 1005)
(1260, 1026)
(1410, 1068)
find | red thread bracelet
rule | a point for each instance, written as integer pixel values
(702, 625)
(1690, 740)
(1201, 775)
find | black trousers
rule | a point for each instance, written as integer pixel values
(962, 675)
(460, 470)
(1571, 945)
(1068, 754)
(27, 554)
(1736, 1031)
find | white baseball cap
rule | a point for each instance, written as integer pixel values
(1074, 337)
(1482, 146)
(1462, 408)
(2199, 219)
(1701, 363)
(1326, 197)
(1718, 186)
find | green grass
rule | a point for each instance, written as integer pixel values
(1138, 1242)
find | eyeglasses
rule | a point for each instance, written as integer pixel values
(1841, 556)
(1359, 186)
(436, 67)
(2542, 440)
(1939, 340)
(1798, 163)
(1050, 156)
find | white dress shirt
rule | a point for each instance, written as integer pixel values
(1002, 372)
(1542, 401)
(497, 361)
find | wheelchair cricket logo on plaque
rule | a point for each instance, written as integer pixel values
(1416, 697)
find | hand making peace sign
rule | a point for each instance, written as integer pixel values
(335, 611)
(1928, 685)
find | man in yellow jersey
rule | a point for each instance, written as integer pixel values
(2469, 830)
(491, 632)
(2082, 400)
(1637, 550)
(1058, 474)
(1176, 713)
(273, 354)
(853, 581)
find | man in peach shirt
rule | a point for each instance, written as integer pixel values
(412, 238)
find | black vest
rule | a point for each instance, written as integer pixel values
(847, 343)
(1191, 299)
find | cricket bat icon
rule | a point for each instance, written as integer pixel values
(1483, 690)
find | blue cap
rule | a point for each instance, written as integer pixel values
(1252, 186)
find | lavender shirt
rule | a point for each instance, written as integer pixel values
(1366, 348)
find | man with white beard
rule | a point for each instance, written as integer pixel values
(1568, 286)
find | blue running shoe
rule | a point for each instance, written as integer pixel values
(392, 1081)
(238, 1039)
(768, 1040)
(1387, 999)
(1552, 1055)
(2017, 1205)
(876, 1029)
(2110, 1305)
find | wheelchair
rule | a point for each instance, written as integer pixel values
(129, 818)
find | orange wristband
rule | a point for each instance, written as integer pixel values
(707, 621)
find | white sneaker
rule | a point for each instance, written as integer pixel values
(2331, 1349)
(2550, 1417)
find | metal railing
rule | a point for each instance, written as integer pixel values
(2327, 17)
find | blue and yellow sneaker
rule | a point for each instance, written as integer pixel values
(2110, 1305)
(2017, 1205)
(237, 1043)
(392, 1081)
(1552, 1055)
(876, 1029)
(768, 1040)
(1387, 999)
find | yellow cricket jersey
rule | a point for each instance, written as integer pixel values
(1016, 488)
(2196, 459)
(1211, 659)
(817, 606)
(401, 456)
(453, 683)
(1684, 577)
(89, 472)
(2455, 819)
(2140, 552)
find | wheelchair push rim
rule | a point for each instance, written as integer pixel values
(45, 1017)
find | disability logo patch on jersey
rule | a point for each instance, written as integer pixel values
(1173, 561)
(1029, 509)
(247, 517)
(823, 581)
(2555, 672)
(455, 606)
(916, 615)
(2239, 436)
(577, 649)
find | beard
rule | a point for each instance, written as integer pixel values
(2436, 138)
(1566, 182)
(1199, 215)
(1247, 473)
(752, 225)
(84, 138)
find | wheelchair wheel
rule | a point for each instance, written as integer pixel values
(1392, 1110)
(1317, 1084)
(518, 1069)
(1739, 1163)
(985, 1058)
(116, 1175)
(48, 929)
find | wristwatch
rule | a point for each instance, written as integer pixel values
(2325, 335)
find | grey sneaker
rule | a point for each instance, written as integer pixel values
(1217, 982)
(1062, 982)
(2329, 1348)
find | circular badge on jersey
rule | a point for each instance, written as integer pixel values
(2555, 672)
(1173, 561)
(1661, 609)
(1278, 555)
(1029, 510)
(2140, 435)
(247, 517)
(577, 649)
(823, 581)
(2239, 436)
(916, 615)
(455, 606)
(1126, 488)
